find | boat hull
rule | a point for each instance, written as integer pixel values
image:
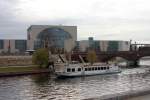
(66, 75)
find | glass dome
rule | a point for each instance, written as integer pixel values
(52, 37)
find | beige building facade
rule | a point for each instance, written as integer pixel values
(50, 35)
(103, 45)
(83, 45)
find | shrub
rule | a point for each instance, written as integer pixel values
(41, 57)
(91, 57)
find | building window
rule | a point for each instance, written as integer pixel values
(20, 45)
(37, 44)
(1, 44)
(113, 46)
(55, 37)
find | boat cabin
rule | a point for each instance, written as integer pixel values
(95, 68)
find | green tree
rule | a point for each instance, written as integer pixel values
(91, 57)
(41, 57)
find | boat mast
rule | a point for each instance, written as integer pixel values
(61, 58)
(82, 59)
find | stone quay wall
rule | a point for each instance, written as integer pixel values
(15, 60)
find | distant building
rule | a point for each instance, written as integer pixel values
(59, 38)
(102, 45)
(12, 46)
(50, 36)
(124, 45)
(83, 45)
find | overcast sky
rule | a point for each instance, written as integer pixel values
(102, 19)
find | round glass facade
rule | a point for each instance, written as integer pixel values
(51, 38)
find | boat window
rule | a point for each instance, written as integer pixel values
(92, 68)
(79, 69)
(102, 68)
(73, 69)
(95, 68)
(68, 70)
(99, 68)
(85, 69)
(89, 69)
(74, 62)
(107, 67)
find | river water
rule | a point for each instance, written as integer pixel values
(48, 87)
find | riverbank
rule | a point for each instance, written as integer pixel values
(22, 70)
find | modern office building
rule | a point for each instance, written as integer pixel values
(59, 38)
(55, 37)
(50, 36)
(12, 46)
(102, 45)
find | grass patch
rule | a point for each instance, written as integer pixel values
(20, 69)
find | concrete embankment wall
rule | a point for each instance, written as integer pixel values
(15, 60)
(9, 74)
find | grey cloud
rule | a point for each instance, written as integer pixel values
(10, 26)
(108, 27)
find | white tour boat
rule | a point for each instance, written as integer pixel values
(78, 69)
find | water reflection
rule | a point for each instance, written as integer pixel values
(40, 79)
